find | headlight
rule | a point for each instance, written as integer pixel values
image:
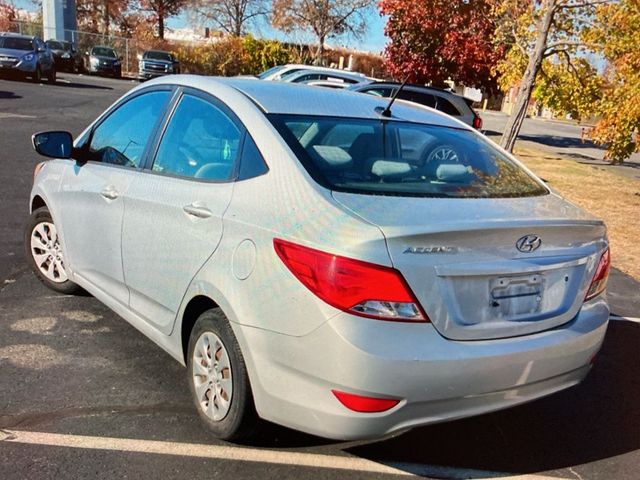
(28, 57)
(94, 61)
(66, 55)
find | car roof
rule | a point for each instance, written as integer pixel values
(300, 99)
(319, 67)
(103, 46)
(17, 35)
(329, 71)
(156, 51)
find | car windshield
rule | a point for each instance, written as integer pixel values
(389, 157)
(16, 43)
(271, 70)
(158, 56)
(104, 52)
(53, 45)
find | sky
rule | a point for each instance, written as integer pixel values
(373, 40)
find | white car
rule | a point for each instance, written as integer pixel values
(280, 71)
(319, 259)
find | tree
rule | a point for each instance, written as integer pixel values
(536, 30)
(8, 14)
(161, 10)
(616, 31)
(432, 41)
(99, 15)
(322, 18)
(231, 16)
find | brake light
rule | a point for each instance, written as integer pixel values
(37, 170)
(477, 122)
(599, 282)
(354, 286)
(358, 403)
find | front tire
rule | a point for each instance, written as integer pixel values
(218, 378)
(44, 252)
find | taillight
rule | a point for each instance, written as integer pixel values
(599, 282)
(37, 170)
(477, 122)
(358, 403)
(354, 286)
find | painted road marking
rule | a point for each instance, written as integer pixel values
(222, 452)
(626, 319)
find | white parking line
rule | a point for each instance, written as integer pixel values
(241, 454)
(625, 319)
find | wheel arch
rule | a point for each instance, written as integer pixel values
(37, 202)
(196, 307)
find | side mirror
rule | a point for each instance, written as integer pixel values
(53, 144)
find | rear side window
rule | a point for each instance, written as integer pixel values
(425, 99)
(200, 141)
(389, 157)
(123, 136)
(379, 92)
(447, 107)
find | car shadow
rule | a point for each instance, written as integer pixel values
(8, 95)
(560, 142)
(597, 420)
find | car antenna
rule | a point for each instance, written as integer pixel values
(387, 111)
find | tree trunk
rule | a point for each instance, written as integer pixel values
(106, 17)
(161, 25)
(319, 52)
(514, 122)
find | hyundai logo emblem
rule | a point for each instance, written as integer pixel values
(528, 243)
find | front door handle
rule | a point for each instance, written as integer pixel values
(110, 193)
(197, 210)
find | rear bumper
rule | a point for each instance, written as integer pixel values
(435, 378)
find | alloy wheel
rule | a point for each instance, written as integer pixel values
(47, 252)
(211, 376)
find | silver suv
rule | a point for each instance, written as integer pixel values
(26, 56)
(438, 98)
(316, 263)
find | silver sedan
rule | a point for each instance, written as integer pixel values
(320, 259)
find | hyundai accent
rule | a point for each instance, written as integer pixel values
(320, 259)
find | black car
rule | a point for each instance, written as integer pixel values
(155, 63)
(104, 61)
(66, 56)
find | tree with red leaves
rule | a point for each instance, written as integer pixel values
(432, 41)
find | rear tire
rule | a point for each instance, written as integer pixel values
(218, 378)
(52, 75)
(37, 75)
(44, 252)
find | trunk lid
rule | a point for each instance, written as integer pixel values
(461, 260)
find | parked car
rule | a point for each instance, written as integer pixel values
(26, 56)
(66, 56)
(440, 99)
(303, 76)
(155, 63)
(104, 61)
(317, 261)
(281, 71)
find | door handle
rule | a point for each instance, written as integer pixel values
(197, 210)
(110, 193)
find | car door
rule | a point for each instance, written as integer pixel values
(173, 218)
(91, 199)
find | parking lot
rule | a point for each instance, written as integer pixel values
(85, 395)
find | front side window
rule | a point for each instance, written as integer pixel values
(200, 141)
(123, 136)
(390, 157)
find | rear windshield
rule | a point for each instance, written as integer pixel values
(103, 52)
(158, 56)
(16, 43)
(401, 158)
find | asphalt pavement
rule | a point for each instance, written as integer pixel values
(84, 395)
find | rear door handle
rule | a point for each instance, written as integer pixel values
(197, 210)
(110, 193)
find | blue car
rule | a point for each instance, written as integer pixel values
(26, 56)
